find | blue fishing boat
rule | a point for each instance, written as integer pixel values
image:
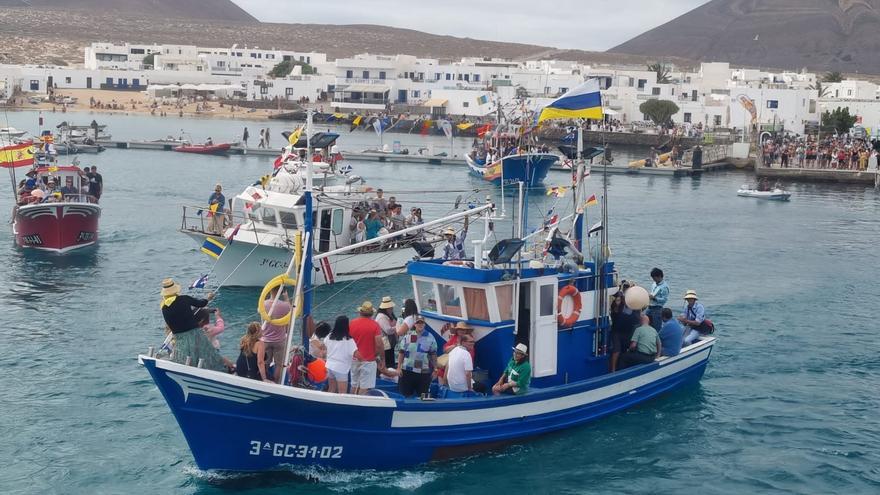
(554, 304)
(528, 168)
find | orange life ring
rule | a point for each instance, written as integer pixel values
(572, 292)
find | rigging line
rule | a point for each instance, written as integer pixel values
(349, 284)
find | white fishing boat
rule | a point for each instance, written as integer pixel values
(775, 194)
(7, 133)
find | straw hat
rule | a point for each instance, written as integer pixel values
(522, 348)
(463, 326)
(691, 294)
(386, 303)
(170, 287)
(449, 231)
(366, 308)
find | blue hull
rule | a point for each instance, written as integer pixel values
(531, 169)
(234, 423)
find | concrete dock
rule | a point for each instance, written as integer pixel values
(719, 162)
(868, 177)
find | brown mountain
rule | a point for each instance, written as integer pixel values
(840, 35)
(224, 10)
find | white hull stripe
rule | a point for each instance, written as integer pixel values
(246, 385)
(192, 385)
(418, 419)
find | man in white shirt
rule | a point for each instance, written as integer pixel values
(460, 369)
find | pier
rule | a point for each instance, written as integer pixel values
(715, 158)
(868, 177)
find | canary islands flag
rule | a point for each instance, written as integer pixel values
(581, 102)
(212, 247)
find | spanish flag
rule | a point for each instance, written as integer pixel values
(591, 201)
(17, 155)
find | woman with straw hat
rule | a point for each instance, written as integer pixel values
(387, 321)
(189, 340)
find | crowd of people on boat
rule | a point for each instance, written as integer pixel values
(492, 151)
(87, 185)
(346, 355)
(381, 216)
(841, 152)
(639, 337)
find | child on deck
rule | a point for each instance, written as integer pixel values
(212, 331)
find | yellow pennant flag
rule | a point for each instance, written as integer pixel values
(294, 136)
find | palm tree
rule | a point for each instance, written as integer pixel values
(823, 90)
(662, 71)
(833, 77)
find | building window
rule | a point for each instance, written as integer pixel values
(465, 104)
(459, 77)
(437, 76)
(642, 83)
(349, 74)
(137, 51)
(467, 77)
(67, 80)
(416, 93)
(448, 76)
(476, 78)
(772, 103)
(717, 120)
(288, 91)
(655, 91)
(381, 74)
(694, 95)
(687, 117)
(365, 74)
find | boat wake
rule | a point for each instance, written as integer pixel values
(335, 480)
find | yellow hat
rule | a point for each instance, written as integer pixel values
(170, 287)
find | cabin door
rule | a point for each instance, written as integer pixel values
(542, 351)
(324, 235)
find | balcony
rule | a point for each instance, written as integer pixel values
(360, 80)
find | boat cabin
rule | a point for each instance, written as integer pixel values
(553, 313)
(56, 184)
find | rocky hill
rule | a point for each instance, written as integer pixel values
(224, 10)
(838, 35)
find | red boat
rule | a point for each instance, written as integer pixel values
(205, 149)
(55, 212)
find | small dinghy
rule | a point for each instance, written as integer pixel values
(205, 149)
(777, 193)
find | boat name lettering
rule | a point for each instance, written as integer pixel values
(298, 451)
(272, 263)
(34, 239)
(510, 182)
(85, 237)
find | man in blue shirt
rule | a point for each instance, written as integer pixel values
(671, 334)
(454, 247)
(658, 296)
(692, 317)
(217, 205)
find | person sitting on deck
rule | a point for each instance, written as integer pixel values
(671, 334)
(209, 142)
(518, 374)
(454, 247)
(416, 360)
(692, 317)
(644, 347)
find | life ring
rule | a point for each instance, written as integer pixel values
(283, 279)
(572, 292)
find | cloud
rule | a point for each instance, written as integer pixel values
(578, 24)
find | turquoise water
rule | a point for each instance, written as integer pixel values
(788, 404)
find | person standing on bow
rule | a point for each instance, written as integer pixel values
(216, 202)
(454, 247)
(190, 342)
(658, 296)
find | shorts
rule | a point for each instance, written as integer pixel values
(275, 351)
(363, 374)
(339, 377)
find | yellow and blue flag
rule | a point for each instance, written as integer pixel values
(581, 102)
(212, 247)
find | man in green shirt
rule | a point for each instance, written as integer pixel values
(644, 347)
(516, 378)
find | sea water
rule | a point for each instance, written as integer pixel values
(788, 403)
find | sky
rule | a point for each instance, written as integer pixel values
(580, 24)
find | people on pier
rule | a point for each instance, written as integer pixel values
(454, 247)
(368, 336)
(416, 360)
(671, 334)
(693, 317)
(518, 374)
(644, 347)
(252, 361)
(657, 297)
(340, 355)
(190, 343)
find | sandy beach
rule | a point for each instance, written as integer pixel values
(98, 101)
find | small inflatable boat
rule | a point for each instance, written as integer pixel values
(775, 194)
(205, 149)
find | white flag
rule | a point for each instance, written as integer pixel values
(446, 126)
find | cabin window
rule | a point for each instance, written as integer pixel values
(268, 216)
(504, 293)
(337, 221)
(548, 297)
(450, 304)
(425, 293)
(288, 219)
(477, 308)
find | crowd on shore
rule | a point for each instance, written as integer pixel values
(842, 152)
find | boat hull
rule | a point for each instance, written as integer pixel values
(768, 195)
(233, 423)
(199, 149)
(531, 169)
(57, 227)
(243, 264)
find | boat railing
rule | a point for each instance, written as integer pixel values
(197, 219)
